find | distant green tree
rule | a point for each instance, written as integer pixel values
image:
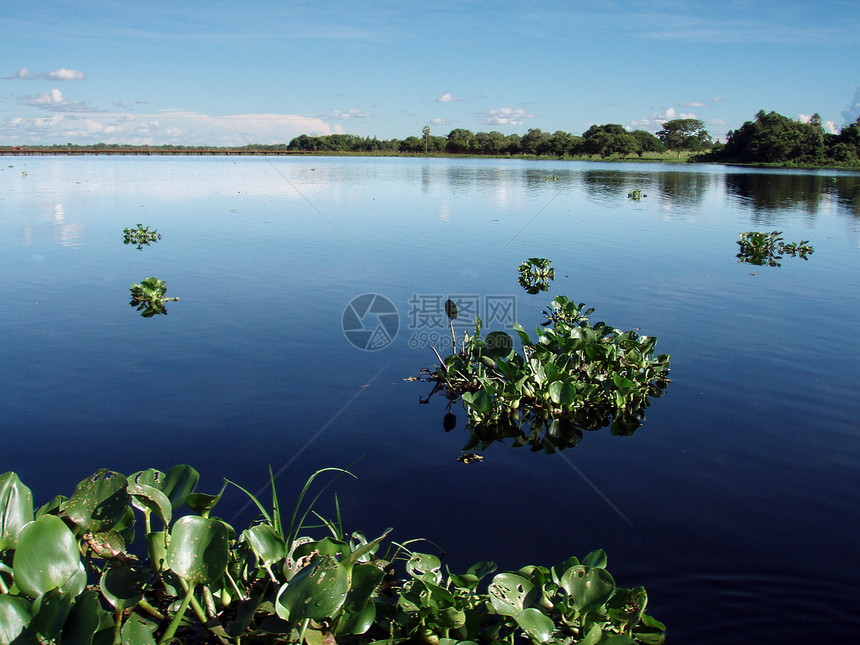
(684, 135)
(460, 141)
(426, 133)
(607, 140)
(647, 142)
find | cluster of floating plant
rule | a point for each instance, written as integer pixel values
(535, 275)
(761, 249)
(141, 236)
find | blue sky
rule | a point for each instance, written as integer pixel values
(229, 73)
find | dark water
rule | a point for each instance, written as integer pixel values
(736, 504)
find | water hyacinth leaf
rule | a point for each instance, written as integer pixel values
(122, 586)
(50, 612)
(16, 509)
(14, 617)
(99, 501)
(150, 499)
(424, 566)
(148, 477)
(51, 507)
(135, 632)
(479, 401)
(498, 344)
(198, 549)
(266, 544)
(202, 503)
(179, 483)
(596, 558)
(44, 540)
(84, 620)
(156, 549)
(510, 594)
(317, 591)
(536, 624)
(589, 587)
(359, 611)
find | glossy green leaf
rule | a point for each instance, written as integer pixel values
(536, 624)
(358, 609)
(179, 482)
(14, 617)
(16, 509)
(135, 632)
(316, 591)
(424, 566)
(50, 612)
(151, 499)
(595, 559)
(122, 586)
(47, 558)
(84, 620)
(479, 401)
(198, 549)
(498, 344)
(99, 501)
(511, 593)
(589, 587)
(266, 544)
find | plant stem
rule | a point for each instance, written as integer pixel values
(117, 628)
(149, 609)
(442, 367)
(177, 619)
(304, 628)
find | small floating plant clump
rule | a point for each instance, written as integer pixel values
(141, 236)
(573, 376)
(636, 194)
(68, 573)
(149, 298)
(761, 249)
(535, 275)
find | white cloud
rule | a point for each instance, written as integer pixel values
(655, 121)
(446, 98)
(61, 74)
(439, 122)
(55, 102)
(829, 126)
(64, 74)
(349, 114)
(693, 104)
(177, 127)
(506, 116)
(717, 99)
(22, 73)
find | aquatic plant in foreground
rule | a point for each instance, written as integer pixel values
(67, 574)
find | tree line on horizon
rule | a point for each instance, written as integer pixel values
(770, 138)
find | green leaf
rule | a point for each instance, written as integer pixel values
(536, 624)
(14, 617)
(266, 544)
(16, 509)
(122, 586)
(359, 611)
(50, 612)
(595, 559)
(424, 566)
(510, 594)
(179, 483)
(479, 401)
(135, 632)
(198, 549)
(83, 621)
(99, 502)
(47, 558)
(150, 499)
(498, 344)
(316, 591)
(589, 587)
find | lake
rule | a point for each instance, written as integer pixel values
(735, 504)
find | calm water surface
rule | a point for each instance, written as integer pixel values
(735, 504)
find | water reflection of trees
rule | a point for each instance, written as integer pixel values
(770, 192)
(682, 188)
